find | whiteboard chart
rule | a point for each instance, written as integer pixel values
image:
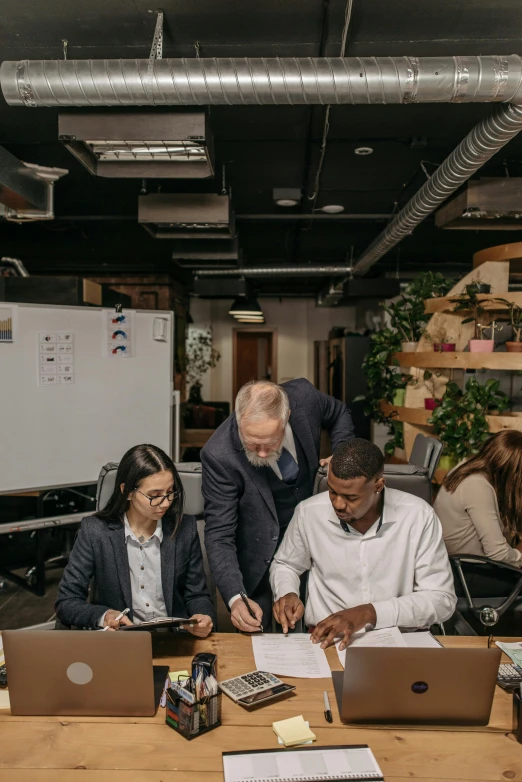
(97, 405)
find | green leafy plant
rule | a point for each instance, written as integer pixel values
(430, 381)
(200, 354)
(469, 301)
(407, 315)
(460, 419)
(515, 317)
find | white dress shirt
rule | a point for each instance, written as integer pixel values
(289, 444)
(145, 575)
(400, 565)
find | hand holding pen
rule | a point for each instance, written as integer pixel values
(247, 615)
(113, 622)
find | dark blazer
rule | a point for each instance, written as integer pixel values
(241, 529)
(100, 553)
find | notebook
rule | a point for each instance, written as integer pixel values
(311, 764)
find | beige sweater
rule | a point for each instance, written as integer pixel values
(471, 521)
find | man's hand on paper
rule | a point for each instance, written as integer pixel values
(343, 625)
(112, 622)
(203, 627)
(242, 619)
(288, 610)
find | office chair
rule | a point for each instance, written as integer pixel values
(476, 576)
(426, 453)
(405, 477)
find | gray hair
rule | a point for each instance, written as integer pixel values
(260, 399)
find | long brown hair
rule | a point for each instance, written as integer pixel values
(500, 462)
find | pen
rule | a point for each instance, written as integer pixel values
(120, 616)
(327, 712)
(249, 609)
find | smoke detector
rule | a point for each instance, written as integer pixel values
(363, 151)
(286, 196)
(332, 209)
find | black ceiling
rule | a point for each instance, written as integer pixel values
(262, 147)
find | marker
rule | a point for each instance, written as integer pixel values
(327, 712)
(249, 608)
(117, 619)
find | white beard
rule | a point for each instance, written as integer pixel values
(262, 461)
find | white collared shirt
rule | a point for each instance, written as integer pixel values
(145, 575)
(400, 565)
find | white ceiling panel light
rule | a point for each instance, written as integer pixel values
(177, 146)
(286, 196)
(332, 209)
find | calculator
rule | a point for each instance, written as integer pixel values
(509, 676)
(254, 688)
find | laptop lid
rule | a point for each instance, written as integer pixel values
(79, 673)
(430, 686)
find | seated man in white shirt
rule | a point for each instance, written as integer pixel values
(375, 556)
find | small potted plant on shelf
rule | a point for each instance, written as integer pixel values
(468, 301)
(439, 339)
(407, 315)
(515, 319)
(430, 381)
(460, 422)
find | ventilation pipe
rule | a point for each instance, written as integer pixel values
(479, 146)
(287, 80)
(279, 271)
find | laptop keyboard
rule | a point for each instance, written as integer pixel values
(509, 676)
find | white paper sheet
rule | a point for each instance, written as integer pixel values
(292, 655)
(4, 699)
(389, 636)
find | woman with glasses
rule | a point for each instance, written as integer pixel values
(140, 552)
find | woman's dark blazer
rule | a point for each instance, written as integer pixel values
(100, 554)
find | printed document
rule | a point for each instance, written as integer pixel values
(292, 655)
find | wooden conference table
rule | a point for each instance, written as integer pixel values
(144, 749)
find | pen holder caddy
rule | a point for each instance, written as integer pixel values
(517, 715)
(192, 719)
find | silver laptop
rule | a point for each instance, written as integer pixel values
(80, 673)
(417, 686)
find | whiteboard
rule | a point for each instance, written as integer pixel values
(62, 435)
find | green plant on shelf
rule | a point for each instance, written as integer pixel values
(515, 317)
(460, 419)
(396, 431)
(407, 316)
(469, 301)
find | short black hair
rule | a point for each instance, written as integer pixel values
(357, 458)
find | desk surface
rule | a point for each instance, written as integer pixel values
(144, 749)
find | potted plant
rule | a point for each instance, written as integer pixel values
(200, 357)
(460, 422)
(439, 339)
(407, 315)
(515, 319)
(430, 381)
(468, 301)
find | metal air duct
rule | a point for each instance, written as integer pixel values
(479, 146)
(186, 215)
(278, 271)
(240, 81)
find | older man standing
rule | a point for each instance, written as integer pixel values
(257, 467)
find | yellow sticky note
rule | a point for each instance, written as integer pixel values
(178, 676)
(4, 699)
(293, 731)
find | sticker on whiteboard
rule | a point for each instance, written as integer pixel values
(118, 334)
(55, 358)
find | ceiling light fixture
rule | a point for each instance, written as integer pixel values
(286, 196)
(259, 321)
(363, 151)
(141, 145)
(245, 306)
(332, 209)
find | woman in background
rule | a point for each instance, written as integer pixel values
(480, 503)
(140, 551)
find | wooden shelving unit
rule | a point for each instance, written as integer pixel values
(457, 360)
(419, 417)
(445, 304)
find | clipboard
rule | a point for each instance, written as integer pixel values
(158, 624)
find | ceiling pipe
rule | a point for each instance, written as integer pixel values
(271, 271)
(240, 81)
(479, 146)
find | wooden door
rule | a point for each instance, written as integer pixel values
(255, 356)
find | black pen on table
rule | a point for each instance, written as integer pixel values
(327, 711)
(249, 608)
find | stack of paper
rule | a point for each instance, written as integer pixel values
(513, 650)
(390, 636)
(290, 655)
(293, 731)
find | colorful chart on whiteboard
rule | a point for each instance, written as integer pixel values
(6, 324)
(55, 358)
(119, 335)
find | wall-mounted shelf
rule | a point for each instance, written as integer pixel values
(433, 360)
(419, 417)
(445, 303)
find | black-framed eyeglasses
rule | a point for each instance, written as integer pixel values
(155, 501)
